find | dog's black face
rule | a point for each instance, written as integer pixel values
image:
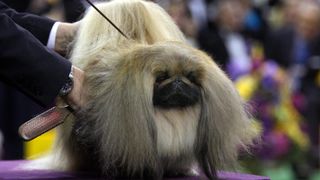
(176, 91)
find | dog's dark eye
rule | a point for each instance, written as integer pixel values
(162, 76)
(192, 77)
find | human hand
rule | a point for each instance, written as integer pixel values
(56, 115)
(65, 35)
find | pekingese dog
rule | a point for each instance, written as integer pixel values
(154, 105)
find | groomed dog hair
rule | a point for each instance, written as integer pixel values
(125, 128)
(142, 21)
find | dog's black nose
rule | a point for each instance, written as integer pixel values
(178, 84)
(176, 94)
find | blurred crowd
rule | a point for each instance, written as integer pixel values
(270, 49)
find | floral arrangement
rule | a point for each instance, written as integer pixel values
(266, 87)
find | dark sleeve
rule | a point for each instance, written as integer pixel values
(28, 65)
(40, 27)
(279, 46)
(211, 42)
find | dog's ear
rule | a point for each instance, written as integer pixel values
(224, 124)
(120, 107)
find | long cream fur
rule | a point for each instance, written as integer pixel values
(119, 118)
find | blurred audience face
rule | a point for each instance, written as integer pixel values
(308, 20)
(178, 10)
(231, 15)
(291, 11)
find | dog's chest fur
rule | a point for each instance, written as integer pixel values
(176, 130)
